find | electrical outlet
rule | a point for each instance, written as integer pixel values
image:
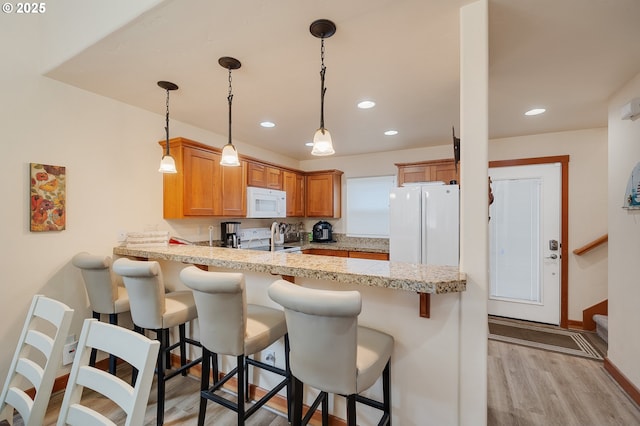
(122, 236)
(271, 358)
(69, 351)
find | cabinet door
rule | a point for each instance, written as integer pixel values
(299, 196)
(323, 195)
(234, 190)
(202, 177)
(409, 174)
(293, 185)
(445, 172)
(327, 252)
(274, 178)
(369, 255)
(264, 176)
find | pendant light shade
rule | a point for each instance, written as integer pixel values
(167, 164)
(229, 153)
(322, 144)
(229, 156)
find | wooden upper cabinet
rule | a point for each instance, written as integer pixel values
(202, 187)
(293, 184)
(427, 171)
(234, 190)
(323, 194)
(196, 189)
(264, 176)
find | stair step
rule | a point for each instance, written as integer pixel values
(602, 326)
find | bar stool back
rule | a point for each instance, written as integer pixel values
(137, 350)
(107, 294)
(26, 368)
(331, 352)
(153, 309)
(230, 326)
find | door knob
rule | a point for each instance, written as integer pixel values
(553, 256)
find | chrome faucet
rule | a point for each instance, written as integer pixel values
(274, 231)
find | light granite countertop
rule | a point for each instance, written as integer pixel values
(375, 273)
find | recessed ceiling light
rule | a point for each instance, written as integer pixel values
(535, 111)
(391, 132)
(366, 104)
(268, 124)
(308, 143)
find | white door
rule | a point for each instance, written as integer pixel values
(524, 237)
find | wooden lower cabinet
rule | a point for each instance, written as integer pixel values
(369, 255)
(347, 253)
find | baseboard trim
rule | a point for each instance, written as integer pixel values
(576, 325)
(627, 386)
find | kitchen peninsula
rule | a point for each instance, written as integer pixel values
(430, 279)
(426, 351)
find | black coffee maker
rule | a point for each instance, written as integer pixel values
(230, 234)
(322, 232)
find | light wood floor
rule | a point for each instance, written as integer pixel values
(526, 387)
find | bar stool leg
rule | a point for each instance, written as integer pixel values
(296, 412)
(289, 383)
(351, 410)
(204, 384)
(94, 352)
(325, 409)
(113, 319)
(162, 357)
(246, 379)
(241, 389)
(183, 348)
(386, 391)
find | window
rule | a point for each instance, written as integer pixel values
(368, 206)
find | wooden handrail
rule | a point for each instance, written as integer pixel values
(593, 244)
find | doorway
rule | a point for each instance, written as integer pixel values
(536, 296)
(524, 243)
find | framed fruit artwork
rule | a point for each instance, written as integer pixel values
(48, 197)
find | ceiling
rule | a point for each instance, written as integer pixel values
(568, 56)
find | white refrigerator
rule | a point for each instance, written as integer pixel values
(424, 224)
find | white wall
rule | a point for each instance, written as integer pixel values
(111, 154)
(624, 237)
(587, 217)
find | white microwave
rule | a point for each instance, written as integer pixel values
(266, 203)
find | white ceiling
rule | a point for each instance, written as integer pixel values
(568, 56)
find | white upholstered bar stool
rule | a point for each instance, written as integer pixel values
(36, 361)
(230, 326)
(153, 309)
(331, 352)
(107, 294)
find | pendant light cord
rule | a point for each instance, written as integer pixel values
(166, 127)
(323, 89)
(230, 99)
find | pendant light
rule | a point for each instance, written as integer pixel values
(322, 144)
(167, 164)
(229, 152)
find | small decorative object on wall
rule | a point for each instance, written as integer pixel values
(48, 197)
(632, 193)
